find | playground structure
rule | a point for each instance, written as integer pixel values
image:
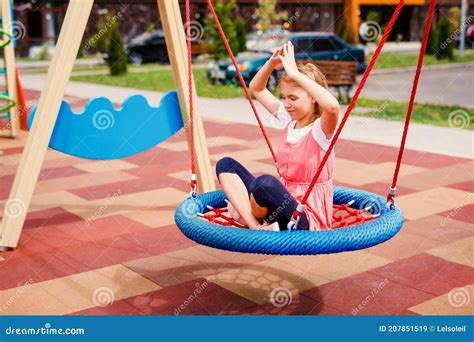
(46, 113)
(68, 250)
(12, 107)
(95, 133)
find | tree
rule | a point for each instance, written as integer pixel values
(455, 16)
(213, 41)
(267, 14)
(375, 33)
(101, 38)
(344, 31)
(431, 46)
(240, 34)
(446, 41)
(117, 58)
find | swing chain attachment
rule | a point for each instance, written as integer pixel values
(295, 218)
(193, 185)
(391, 198)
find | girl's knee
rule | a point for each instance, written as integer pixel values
(225, 164)
(266, 182)
(262, 186)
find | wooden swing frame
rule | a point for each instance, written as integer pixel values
(59, 73)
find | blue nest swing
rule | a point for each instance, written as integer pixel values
(299, 242)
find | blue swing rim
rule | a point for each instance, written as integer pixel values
(298, 242)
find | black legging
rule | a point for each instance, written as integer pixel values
(267, 191)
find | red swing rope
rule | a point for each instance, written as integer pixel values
(349, 109)
(426, 33)
(299, 210)
(193, 182)
(241, 79)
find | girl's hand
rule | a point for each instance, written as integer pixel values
(274, 61)
(288, 60)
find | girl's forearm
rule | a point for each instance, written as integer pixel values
(259, 81)
(326, 101)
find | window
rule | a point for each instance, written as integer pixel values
(322, 44)
(337, 44)
(303, 45)
(35, 24)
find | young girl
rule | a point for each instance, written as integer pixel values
(266, 202)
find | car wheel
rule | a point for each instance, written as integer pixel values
(272, 83)
(136, 58)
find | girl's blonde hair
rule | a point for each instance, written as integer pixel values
(313, 72)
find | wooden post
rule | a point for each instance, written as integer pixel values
(32, 158)
(9, 59)
(176, 44)
(53, 92)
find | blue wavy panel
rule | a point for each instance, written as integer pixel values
(102, 132)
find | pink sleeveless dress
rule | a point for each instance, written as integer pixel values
(298, 164)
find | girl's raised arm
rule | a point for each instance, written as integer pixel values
(258, 85)
(327, 102)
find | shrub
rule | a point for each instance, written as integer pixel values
(446, 41)
(240, 35)
(118, 59)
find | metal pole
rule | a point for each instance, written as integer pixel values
(463, 28)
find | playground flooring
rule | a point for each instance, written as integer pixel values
(100, 238)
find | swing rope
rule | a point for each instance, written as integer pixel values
(300, 209)
(426, 33)
(241, 79)
(292, 225)
(193, 182)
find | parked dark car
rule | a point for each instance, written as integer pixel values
(150, 47)
(308, 46)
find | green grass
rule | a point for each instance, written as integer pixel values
(398, 60)
(432, 114)
(162, 80)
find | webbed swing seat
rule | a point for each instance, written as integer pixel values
(300, 242)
